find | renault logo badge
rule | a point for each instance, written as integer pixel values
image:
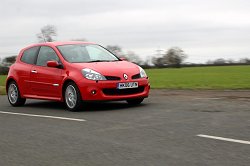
(125, 76)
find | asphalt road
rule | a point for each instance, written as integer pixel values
(162, 131)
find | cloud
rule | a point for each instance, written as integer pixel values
(204, 29)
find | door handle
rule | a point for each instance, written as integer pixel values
(33, 71)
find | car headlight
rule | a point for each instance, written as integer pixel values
(142, 73)
(92, 75)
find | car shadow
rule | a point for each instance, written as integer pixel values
(86, 107)
(40, 104)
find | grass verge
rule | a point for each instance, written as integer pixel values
(2, 90)
(2, 84)
(222, 77)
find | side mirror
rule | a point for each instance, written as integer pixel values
(54, 64)
(123, 59)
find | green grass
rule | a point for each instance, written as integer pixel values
(222, 77)
(2, 84)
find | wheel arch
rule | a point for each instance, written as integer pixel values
(78, 103)
(64, 86)
(8, 81)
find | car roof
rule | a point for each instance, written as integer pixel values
(59, 43)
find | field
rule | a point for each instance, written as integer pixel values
(2, 84)
(223, 77)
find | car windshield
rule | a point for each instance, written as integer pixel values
(80, 53)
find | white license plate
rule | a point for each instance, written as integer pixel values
(125, 85)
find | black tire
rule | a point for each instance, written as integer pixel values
(73, 100)
(14, 96)
(135, 101)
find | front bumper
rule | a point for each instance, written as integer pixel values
(107, 90)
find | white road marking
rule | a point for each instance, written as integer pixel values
(224, 139)
(43, 116)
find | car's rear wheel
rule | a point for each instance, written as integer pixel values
(14, 96)
(72, 97)
(135, 101)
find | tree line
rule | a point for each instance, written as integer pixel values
(173, 57)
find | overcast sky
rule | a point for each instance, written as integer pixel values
(204, 29)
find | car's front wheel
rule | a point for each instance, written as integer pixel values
(14, 96)
(72, 97)
(135, 101)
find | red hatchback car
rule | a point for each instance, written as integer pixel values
(73, 72)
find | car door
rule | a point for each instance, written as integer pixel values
(27, 61)
(46, 81)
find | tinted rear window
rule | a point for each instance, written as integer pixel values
(29, 55)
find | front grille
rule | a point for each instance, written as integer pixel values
(137, 76)
(113, 91)
(112, 78)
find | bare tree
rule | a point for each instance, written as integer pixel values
(244, 60)
(158, 62)
(220, 61)
(174, 57)
(47, 33)
(115, 49)
(132, 57)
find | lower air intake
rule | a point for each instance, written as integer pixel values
(117, 92)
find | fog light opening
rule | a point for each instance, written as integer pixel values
(93, 92)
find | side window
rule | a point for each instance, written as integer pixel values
(29, 55)
(46, 54)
